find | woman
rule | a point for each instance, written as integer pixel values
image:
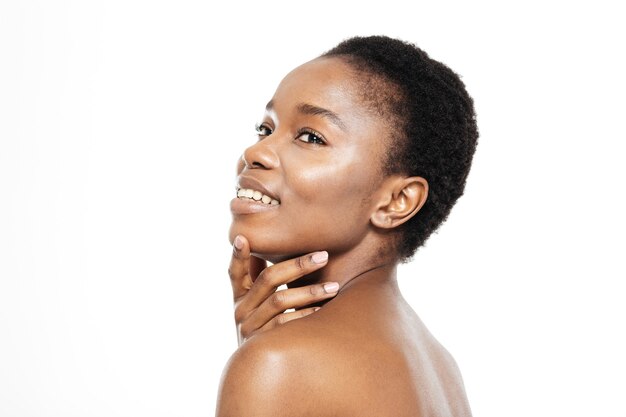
(362, 153)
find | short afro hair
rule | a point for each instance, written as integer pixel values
(436, 132)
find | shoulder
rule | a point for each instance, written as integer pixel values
(252, 375)
(318, 366)
(272, 374)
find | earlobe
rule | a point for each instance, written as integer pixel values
(403, 198)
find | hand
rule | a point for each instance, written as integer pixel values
(258, 306)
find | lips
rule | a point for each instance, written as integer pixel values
(253, 197)
(251, 188)
(256, 195)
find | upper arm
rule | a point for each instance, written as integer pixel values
(243, 372)
(258, 382)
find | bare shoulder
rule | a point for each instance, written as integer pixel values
(274, 374)
(249, 379)
(317, 366)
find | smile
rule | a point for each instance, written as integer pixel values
(256, 195)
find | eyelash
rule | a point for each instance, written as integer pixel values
(260, 130)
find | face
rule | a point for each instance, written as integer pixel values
(308, 183)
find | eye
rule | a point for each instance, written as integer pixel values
(310, 136)
(262, 130)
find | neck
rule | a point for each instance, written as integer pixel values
(350, 269)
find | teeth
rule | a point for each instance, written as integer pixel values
(257, 196)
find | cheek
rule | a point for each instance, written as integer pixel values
(326, 204)
(333, 181)
(329, 200)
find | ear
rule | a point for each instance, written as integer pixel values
(401, 198)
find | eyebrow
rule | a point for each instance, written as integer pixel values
(311, 109)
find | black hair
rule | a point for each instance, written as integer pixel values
(435, 131)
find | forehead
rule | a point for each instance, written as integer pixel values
(330, 83)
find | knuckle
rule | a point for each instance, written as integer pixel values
(265, 278)
(314, 290)
(282, 319)
(300, 263)
(244, 332)
(239, 315)
(278, 300)
(237, 257)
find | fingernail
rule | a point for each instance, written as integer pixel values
(238, 242)
(319, 257)
(331, 287)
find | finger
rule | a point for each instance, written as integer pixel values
(243, 335)
(280, 301)
(287, 317)
(282, 273)
(239, 268)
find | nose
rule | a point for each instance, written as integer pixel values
(260, 155)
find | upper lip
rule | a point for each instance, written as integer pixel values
(244, 181)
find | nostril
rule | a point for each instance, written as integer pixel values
(248, 162)
(260, 156)
(251, 163)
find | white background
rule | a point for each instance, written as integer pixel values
(120, 124)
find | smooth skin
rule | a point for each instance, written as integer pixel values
(364, 352)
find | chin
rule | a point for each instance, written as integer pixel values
(266, 245)
(274, 258)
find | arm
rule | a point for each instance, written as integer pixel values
(258, 381)
(237, 395)
(286, 373)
